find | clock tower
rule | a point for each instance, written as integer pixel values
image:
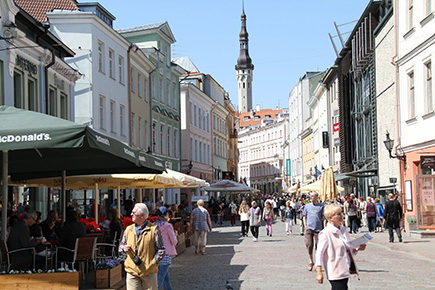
(244, 70)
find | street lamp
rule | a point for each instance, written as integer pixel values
(189, 166)
(389, 143)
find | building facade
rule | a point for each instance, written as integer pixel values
(101, 96)
(261, 140)
(414, 60)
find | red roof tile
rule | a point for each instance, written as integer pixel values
(38, 8)
(261, 114)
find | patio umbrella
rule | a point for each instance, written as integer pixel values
(228, 186)
(315, 186)
(328, 188)
(187, 181)
(38, 145)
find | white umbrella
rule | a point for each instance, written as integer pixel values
(228, 186)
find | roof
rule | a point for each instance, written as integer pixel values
(261, 115)
(143, 27)
(38, 8)
(186, 63)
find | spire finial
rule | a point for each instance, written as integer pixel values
(243, 6)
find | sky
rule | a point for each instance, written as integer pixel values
(286, 37)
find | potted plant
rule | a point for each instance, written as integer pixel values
(411, 223)
(108, 273)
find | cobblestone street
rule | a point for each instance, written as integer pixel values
(280, 262)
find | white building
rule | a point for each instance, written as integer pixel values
(299, 112)
(262, 137)
(101, 95)
(318, 104)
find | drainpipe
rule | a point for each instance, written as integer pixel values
(46, 26)
(396, 66)
(130, 122)
(151, 97)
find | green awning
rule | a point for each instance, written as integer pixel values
(40, 145)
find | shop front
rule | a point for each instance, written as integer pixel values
(418, 198)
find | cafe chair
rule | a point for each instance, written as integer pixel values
(102, 250)
(83, 253)
(6, 258)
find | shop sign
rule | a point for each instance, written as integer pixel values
(26, 65)
(427, 162)
(336, 127)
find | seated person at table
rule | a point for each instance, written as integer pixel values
(35, 229)
(115, 225)
(51, 227)
(19, 238)
(70, 232)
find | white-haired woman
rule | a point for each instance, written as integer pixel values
(333, 252)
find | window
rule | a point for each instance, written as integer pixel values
(428, 87)
(32, 95)
(147, 143)
(162, 127)
(112, 116)
(64, 106)
(52, 101)
(121, 69)
(122, 120)
(100, 56)
(192, 148)
(200, 151)
(208, 154)
(194, 115)
(112, 63)
(153, 87)
(140, 137)
(154, 136)
(175, 145)
(428, 7)
(102, 112)
(208, 122)
(411, 96)
(200, 118)
(191, 112)
(139, 86)
(205, 153)
(174, 94)
(145, 90)
(196, 150)
(168, 91)
(133, 129)
(169, 142)
(132, 80)
(410, 14)
(161, 90)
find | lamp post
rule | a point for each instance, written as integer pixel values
(389, 143)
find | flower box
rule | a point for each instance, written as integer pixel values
(108, 277)
(56, 280)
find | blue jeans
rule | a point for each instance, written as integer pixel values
(163, 277)
(220, 220)
(371, 223)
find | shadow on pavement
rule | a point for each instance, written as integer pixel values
(214, 269)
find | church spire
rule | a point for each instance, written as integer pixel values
(244, 68)
(244, 61)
